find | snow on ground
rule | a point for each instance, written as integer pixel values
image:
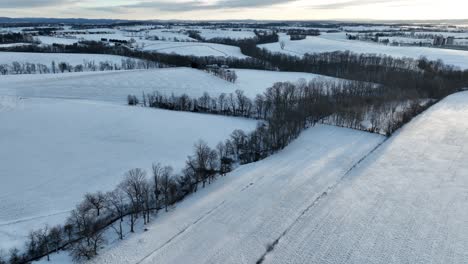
(9, 45)
(406, 203)
(217, 33)
(54, 151)
(182, 48)
(47, 40)
(48, 58)
(194, 48)
(337, 41)
(237, 216)
(115, 86)
(168, 34)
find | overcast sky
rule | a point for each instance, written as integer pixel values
(239, 9)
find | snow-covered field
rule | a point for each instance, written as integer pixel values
(48, 58)
(194, 48)
(406, 203)
(338, 42)
(236, 217)
(115, 86)
(216, 33)
(187, 47)
(54, 151)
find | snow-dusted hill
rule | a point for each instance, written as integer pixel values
(54, 151)
(338, 42)
(233, 220)
(115, 86)
(406, 203)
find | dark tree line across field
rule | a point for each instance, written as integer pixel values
(61, 67)
(15, 38)
(352, 104)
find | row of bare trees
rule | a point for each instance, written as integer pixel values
(138, 197)
(357, 105)
(61, 67)
(232, 104)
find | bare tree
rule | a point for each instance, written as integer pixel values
(166, 181)
(132, 186)
(87, 249)
(96, 200)
(55, 237)
(115, 203)
(158, 171)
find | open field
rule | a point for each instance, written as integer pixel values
(115, 86)
(240, 214)
(406, 203)
(54, 151)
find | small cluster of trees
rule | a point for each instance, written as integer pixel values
(232, 104)
(223, 73)
(61, 67)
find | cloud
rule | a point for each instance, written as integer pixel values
(33, 3)
(194, 5)
(353, 3)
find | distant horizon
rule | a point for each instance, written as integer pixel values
(448, 20)
(209, 10)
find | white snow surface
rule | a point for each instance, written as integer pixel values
(115, 86)
(406, 203)
(200, 49)
(218, 33)
(234, 219)
(337, 42)
(48, 58)
(54, 151)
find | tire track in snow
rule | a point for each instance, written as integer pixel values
(181, 232)
(271, 246)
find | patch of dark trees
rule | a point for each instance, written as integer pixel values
(357, 105)
(15, 38)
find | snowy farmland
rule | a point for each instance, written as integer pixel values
(185, 45)
(115, 86)
(216, 33)
(53, 149)
(48, 58)
(338, 42)
(200, 49)
(406, 203)
(240, 214)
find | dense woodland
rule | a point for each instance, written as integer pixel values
(385, 94)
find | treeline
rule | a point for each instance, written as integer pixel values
(92, 47)
(61, 67)
(140, 196)
(15, 38)
(351, 104)
(429, 79)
